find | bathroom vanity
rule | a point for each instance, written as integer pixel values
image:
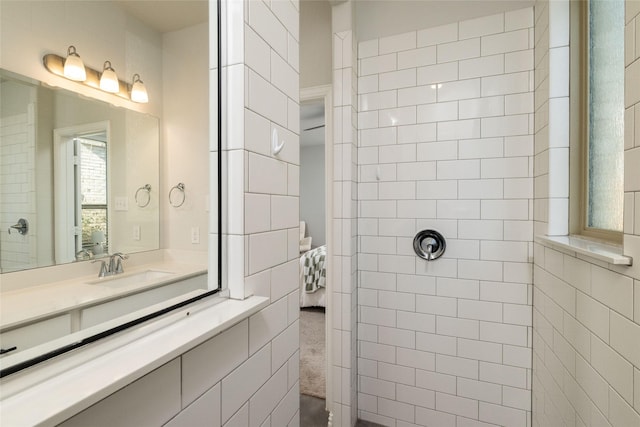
(165, 356)
(38, 319)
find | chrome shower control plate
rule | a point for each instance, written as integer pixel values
(429, 244)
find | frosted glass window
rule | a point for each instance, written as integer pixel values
(606, 115)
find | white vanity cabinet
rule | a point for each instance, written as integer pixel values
(28, 336)
(104, 312)
(96, 310)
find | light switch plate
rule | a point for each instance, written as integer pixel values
(195, 235)
(121, 204)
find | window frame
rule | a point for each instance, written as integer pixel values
(79, 140)
(579, 128)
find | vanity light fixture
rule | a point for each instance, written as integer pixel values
(109, 79)
(138, 90)
(73, 66)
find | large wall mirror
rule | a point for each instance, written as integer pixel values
(80, 174)
(85, 173)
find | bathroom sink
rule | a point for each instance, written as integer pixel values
(132, 279)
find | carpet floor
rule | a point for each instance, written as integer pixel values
(312, 352)
(312, 370)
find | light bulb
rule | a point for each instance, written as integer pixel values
(73, 66)
(138, 90)
(109, 79)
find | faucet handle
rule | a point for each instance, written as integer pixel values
(118, 257)
(103, 267)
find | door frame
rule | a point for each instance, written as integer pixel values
(317, 93)
(64, 186)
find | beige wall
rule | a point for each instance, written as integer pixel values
(30, 29)
(185, 138)
(315, 43)
(312, 193)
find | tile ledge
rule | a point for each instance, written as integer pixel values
(87, 376)
(612, 254)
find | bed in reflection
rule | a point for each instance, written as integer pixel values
(313, 272)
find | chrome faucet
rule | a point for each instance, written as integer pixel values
(83, 254)
(103, 268)
(115, 262)
(114, 267)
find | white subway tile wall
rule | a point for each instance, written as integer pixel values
(261, 387)
(241, 388)
(18, 181)
(586, 314)
(345, 178)
(551, 58)
(450, 148)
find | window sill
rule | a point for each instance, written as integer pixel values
(609, 253)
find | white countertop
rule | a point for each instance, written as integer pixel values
(86, 376)
(19, 306)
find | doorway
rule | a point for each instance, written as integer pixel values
(316, 172)
(81, 184)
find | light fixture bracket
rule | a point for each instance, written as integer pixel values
(55, 65)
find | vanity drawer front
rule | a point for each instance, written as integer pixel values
(108, 311)
(36, 333)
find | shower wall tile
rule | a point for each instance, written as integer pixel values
(367, 49)
(481, 26)
(437, 35)
(518, 19)
(518, 61)
(343, 401)
(585, 329)
(511, 41)
(456, 51)
(163, 383)
(284, 77)
(264, 219)
(18, 181)
(287, 13)
(417, 57)
(446, 342)
(397, 79)
(267, 25)
(257, 53)
(591, 345)
(266, 100)
(437, 73)
(396, 43)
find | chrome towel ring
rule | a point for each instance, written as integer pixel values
(140, 198)
(180, 188)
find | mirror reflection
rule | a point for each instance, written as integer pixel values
(71, 169)
(80, 171)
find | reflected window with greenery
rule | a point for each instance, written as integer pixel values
(92, 155)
